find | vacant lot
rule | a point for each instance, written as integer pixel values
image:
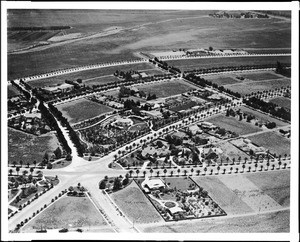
(273, 142)
(277, 222)
(222, 195)
(82, 109)
(261, 116)
(260, 76)
(282, 102)
(275, 184)
(193, 64)
(167, 88)
(232, 124)
(27, 147)
(255, 86)
(68, 212)
(89, 74)
(135, 205)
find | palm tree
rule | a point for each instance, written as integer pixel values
(151, 171)
(31, 170)
(218, 168)
(171, 173)
(198, 172)
(261, 167)
(185, 171)
(165, 171)
(279, 164)
(224, 171)
(21, 163)
(255, 166)
(246, 159)
(205, 169)
(14, 163)
(249, 168)
(157, 173)
(273, 166)
(137, 172)
(130, 172)
(236, 170)
(211, 171)
(192, 170)
(178, 171)
(239, 159)
(17, 170)
(10, 172)
(284, 165)
(285, 155)
(27, 164)
(231, 168)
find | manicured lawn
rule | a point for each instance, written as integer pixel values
(220, 193)
(233, 124)
(135, 205)
(61, 164)
(68, 212)
(180, 183)
(272, 141)
(275, 184)
(249, 87)
(261, 116)
(82, 109)
(282, 102)
(167, 88)
(26, 147)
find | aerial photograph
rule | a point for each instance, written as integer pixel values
(147, 121)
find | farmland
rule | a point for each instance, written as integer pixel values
(248, 87)
(222, 80)
(155, 34)
(281, 102)
(28, 147)
(68, 212)
(167, 88)
(276, 222)
(193, 64)
(135, 205)
(232, 124)
(274, 184)
(262, 117)
(261, 76)
(272, 141)
(87, 75)
(82, 109)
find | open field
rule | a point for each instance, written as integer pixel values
(193, 64)
(100, 80)
(261, 76)
(249, 87)
(138, 31)
(68, 212)
(282, 102)
(12, 91)
(222, 80)
(167, 88)
(82, 109)
(233, 124)
(272, 141)
(152, 72)
(275, 184)
(26, 147)
(220, 193)
(268, 50)
(275, 222)
(135, 205)
(88, 74)
(262, 117)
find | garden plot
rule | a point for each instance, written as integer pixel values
(249, 193)
(275, 184)
(179, 198)
(82, 109)
(225, 197)
(232, 124)
(282, 102)
(249, 87)
(68, 212)
(273, 141)
(135, 205)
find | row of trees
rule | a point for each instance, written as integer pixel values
(73, 136)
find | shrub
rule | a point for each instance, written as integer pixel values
(52, 200)
(56, 197)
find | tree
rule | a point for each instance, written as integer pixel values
(117, 184)
(10, 172)
(157, 173)
(58, 153)
(102, 184)
(31, 170)
(21, 163)
(17, 170)
(151, 171)
(178, 171)
(210, 48)
(205, 170)
(34, 162)
(144, 172)
(130, 172)
(165, 171)
(137, 172)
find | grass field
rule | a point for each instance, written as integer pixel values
(89, 74)
(222, 195)
(82, 109)
(135, 205)
(12, 91)
(140, 31)
(262, 117)
(223, 80)
(100, 80)
(272, 141)
(282, 102)
(260, 76)
(276, 222)
(167, 88)
(26, 147)
(193, 64)
(231, 151)
(275, 184)
(249, 87)
(233, 124)
(68, 212)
